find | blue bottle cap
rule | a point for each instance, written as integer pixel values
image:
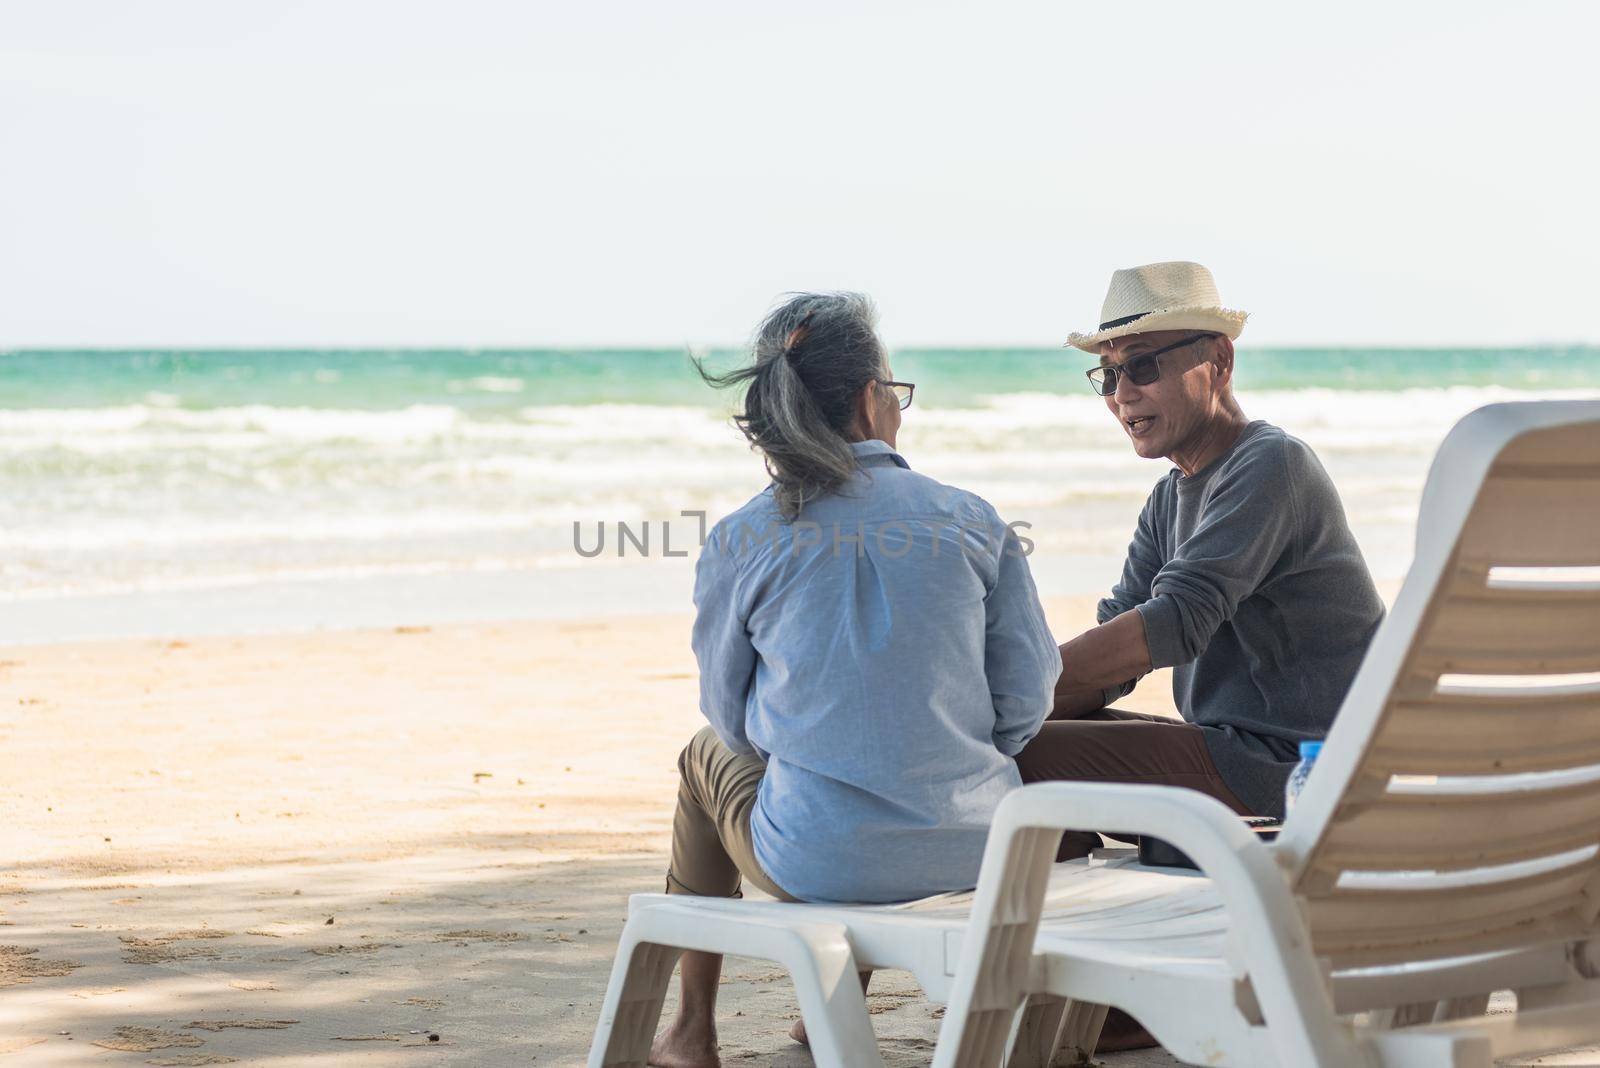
(1309, 750)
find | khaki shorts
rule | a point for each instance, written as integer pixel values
(711, 844)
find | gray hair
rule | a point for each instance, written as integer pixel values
(811, 358)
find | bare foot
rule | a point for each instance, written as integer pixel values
(685, 1047)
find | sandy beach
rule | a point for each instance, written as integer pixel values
(377, 835)
(377, 847)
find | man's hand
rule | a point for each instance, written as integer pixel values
(1075, 703)
(1105, 656)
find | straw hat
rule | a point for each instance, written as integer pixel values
(1161, 296)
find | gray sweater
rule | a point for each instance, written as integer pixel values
(1253, 588)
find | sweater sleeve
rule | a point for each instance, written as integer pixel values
(1246, 531)
(1133, 588)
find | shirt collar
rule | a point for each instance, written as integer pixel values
(875, 453)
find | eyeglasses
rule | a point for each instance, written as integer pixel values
(1141, 370)
(902, 392)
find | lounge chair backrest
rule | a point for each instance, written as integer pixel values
(1455, 808)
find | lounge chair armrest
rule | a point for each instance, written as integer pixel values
(1267, 927)
(1247, 878)
(1188, 819)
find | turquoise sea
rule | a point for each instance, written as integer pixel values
(481, 382)
(169, 490)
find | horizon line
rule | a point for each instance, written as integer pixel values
(699, 348)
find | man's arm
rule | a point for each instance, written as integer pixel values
(1085, 686)
(1098, 660)
(1249, 531)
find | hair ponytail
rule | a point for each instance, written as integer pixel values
(812, 357)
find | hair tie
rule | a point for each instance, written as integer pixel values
(798, 334)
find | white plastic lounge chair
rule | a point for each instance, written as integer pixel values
(1447, 847)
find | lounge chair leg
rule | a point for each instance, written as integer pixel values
(1080, 1033)
(1035, 1044)
(817, 955)
(1057, 1033)
(1420, 1012)
(832, 1003)
(633, 1002)
(1461, 1008)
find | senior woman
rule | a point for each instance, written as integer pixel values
(872, 655)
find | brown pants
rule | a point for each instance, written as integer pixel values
(1116, 746)
(711, 844)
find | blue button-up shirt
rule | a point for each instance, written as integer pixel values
(886, 654)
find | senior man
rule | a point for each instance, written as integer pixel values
(1243, 577)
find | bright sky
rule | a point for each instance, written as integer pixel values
(260, 173)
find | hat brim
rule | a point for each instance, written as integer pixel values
(1212, 320)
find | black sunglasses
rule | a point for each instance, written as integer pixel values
(902, 392)
(1141, 370)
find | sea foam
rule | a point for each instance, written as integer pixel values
(162, 494)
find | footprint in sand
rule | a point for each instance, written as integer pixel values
(335, 951)
(162, 950)
(479, 936)
(280, 929)
(98, 992)
(20, 965)
(881, 1003)
(144, 1039)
